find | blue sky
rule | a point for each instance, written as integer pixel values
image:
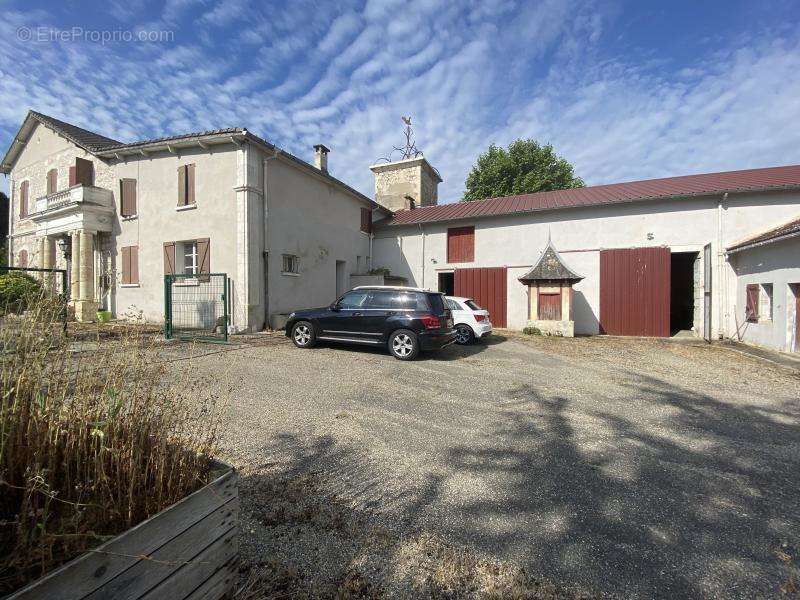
(624, 90)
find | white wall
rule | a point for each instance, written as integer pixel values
(314, 219)
(778, 264)
(683, 225)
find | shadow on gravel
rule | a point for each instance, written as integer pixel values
(451, 352)
(301, 540)
(702, 503)
(707, 506)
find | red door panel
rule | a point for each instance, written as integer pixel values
(487, 286)
(635, 291)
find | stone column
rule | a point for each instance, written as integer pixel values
(48, 250)
(86, 307)
(74, 272)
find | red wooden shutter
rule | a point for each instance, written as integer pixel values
(73, 176)
(366, 220)
(84, 172)
(169, 258)
(23, 258)
(134, 264)
(126, 264)
(52, 181)
(190, 184)
(549, 306)
(460, 244)
(182, 186)
(127, 190)
(23, 199)
(751, 312)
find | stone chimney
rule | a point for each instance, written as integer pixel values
(321, 157)
(399, 182)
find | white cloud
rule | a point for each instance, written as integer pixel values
(469, 73)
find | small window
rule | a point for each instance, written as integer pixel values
(354, 300)
(186, 185)
(765, 302)
(453, 305)
(23, 199)
(127, 195)
(381, 299)
(130, 265)
(52, 181)
(190, 262)
(291, 263)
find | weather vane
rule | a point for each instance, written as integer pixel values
(409, 150)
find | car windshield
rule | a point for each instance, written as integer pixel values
(472, 305)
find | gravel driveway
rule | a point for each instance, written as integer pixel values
(637, 468)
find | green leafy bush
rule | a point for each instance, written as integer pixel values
(17, 291)
(532, 331)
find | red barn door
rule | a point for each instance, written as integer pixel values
(487, 286)
(634, 291)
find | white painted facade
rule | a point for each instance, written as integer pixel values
(253, 203)
(775, 268)
(419, 252)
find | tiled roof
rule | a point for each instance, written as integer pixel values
(173, 138)
(787, 230)
(82, 137)
(773, 178)
(550, 267)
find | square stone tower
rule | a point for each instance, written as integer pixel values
(398, 183)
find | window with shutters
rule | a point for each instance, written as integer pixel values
(130, 265)
(22, 261)
(188, 257)
(127, 195)
(291, 265)
(190, 262)
(52, 181)
(23, 199)
(366, 220)
(186, 197)
(81, 173)
(460, 244)
(751, 310)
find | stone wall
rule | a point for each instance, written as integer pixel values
(413, 177)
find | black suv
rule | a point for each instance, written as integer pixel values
(406, 320)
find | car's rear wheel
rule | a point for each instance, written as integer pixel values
(464, 335)
(303, 334)
(404, 345)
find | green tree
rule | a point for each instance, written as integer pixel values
(525, 167)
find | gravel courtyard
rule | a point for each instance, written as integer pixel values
(633, 468)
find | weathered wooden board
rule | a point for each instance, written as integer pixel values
(146, 556)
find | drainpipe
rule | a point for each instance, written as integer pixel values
(369, 258)
(723, 279)
(422, 233)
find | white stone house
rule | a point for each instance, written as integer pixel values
(285, 232)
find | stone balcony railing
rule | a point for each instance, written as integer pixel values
(74, 197)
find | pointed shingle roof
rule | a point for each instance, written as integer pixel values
(550, 267)
(82, 137)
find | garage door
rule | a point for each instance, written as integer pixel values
(634, 291)
(487, 287)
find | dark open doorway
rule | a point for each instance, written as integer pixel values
(447, 283)
(681, 313)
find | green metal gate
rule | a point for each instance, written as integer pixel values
(196, 307)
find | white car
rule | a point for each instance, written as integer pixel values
(470, 320)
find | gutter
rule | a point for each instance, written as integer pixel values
(422, 233)
(723, 275)
(779, 238)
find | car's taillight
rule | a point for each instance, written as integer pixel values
(431, 321)
(480, 317)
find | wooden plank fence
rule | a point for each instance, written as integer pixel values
(186, 552)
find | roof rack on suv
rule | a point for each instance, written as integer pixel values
(391, 287)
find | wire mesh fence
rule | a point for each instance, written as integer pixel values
(196, 307)
(53, 285)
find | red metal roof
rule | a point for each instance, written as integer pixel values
(772, 178)
(787, 230)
